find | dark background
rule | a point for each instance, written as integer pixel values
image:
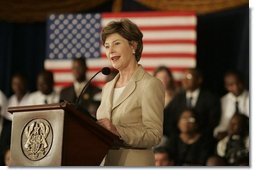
(222, 44)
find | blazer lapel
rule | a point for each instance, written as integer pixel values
(130, 86)
(126, 93)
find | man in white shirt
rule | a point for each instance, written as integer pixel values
(235, 101)
(21, 94)
(46, 93)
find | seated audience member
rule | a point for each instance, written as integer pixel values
(163, 157)
(165, 75)
(205, 103)
(216, 160)
(7, 157)
(20, 90)
(190, 147)
(235, 101)
(5, 137)
(45, 93)
(88, 102)
(235, 146)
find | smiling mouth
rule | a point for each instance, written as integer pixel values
(114, 58)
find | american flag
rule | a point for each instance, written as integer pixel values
(169, 39)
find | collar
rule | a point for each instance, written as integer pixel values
(193, 94)
(232, 96)
(130, 87)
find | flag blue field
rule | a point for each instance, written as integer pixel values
(169, 39)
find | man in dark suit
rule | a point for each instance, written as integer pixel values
(90, 101)
(206, 104)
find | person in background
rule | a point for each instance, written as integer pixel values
(164, 74)
(21, 93)
(194, 96)
(3, 104)
(132, 103)
(235, 101)
(235, 146)
(45, 93)
(216, 160)
(5, 128)
(191, 146)
(88, 102)
(7, 157)
(163, 157)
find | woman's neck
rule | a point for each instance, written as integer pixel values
(125, 75)
(189, 138)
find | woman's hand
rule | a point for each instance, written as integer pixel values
(106, 123)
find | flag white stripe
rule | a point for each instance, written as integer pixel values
(164, 48)
(169, 35)
(66, 64)
(67, 76)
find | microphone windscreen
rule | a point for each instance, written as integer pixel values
(106, 71)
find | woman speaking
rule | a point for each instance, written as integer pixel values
(132, 103)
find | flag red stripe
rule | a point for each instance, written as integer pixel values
(164, 55)
(62, 84)
(95, 69)
(147, 14)
(187, 41)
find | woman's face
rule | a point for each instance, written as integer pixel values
(119, 51)
(18, 85)
(187, 123)
(163, 76)
(235, 126)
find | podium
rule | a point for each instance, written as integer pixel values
(58, 135)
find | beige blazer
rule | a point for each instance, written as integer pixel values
(138, 117)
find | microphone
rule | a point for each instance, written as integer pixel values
(104, 71)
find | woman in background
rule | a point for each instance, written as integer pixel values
(165, 75)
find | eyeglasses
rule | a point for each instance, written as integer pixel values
(188, 76)
(189, 120)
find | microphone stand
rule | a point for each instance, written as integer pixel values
(105, 71)
(84, 88)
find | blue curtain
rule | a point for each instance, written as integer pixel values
(223, 44)
(22, 49)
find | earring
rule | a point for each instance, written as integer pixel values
(133, 52)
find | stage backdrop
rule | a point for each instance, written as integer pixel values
(169, 39)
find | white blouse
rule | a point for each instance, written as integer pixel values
(117, 93)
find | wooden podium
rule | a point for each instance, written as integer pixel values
(57, 135)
